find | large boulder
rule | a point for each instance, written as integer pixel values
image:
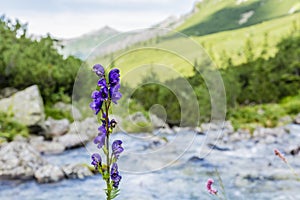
(46, 147)
(18, 160)
(76, 171)
(27, 108)
(70, 109)
(72, 140)
(158, 122)
(57, 127)
(48, 174)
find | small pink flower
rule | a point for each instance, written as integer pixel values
(209, 188)
(280, 155)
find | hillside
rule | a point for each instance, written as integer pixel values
(82, 46)
(212, 16)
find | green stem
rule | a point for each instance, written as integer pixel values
(108, 187)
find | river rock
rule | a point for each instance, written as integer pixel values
(297, 119)
(48, 147)
(7, 92)
(73, 171)
(57, 127)
(72, 140)
(157, 122)
(48, 174)
(27, 108)
(69, 108)
(19, 160)
(137, 117)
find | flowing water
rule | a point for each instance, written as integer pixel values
(177, 170)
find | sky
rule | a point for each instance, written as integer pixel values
(72, 18)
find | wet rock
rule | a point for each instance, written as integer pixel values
(27, 108)
(56, 127)
(73, 171)
(72, 140)
(196, 159)
(164, 131)
(297, 119)
(19, 160)
(69, 108)
(215, 147)
(295, 151)
(199, 131)
(48, 174)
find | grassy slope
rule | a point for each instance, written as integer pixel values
(213, 16)
(232, 42)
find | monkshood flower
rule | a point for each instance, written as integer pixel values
(107, 91)
(96, 160)
(115, 176)
(117, 148)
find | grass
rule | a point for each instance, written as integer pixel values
(219, 46)
(267, 115)
(9, 128)
(212, 16)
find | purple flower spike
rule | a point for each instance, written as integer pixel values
(96, 160)
(115, 176)
(99, 70)
(117, 149)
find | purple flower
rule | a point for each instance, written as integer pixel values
(96, 160)
(99, 70)
(102, 82)
(96, 105)
(115, 176)
(114, 77)
(114, 93)
(117, 149)
(100, 140)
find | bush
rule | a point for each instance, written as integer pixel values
(9, 128)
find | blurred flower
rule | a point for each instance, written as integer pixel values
(209, 187)
(114, 175)
(280, 155)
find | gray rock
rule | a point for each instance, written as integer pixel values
(7, 92)
(72, 140)
(48, 174)
(57, 127)
(48, 147)
(157, 122)
(86, 128)
(27, 107)
(18, 160)
(76, 171)
(137, 118)
(69, 108)
(297, 119)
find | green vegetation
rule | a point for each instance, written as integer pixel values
(212, 16)
(57, 113)
(25, 61)
(9, 128)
